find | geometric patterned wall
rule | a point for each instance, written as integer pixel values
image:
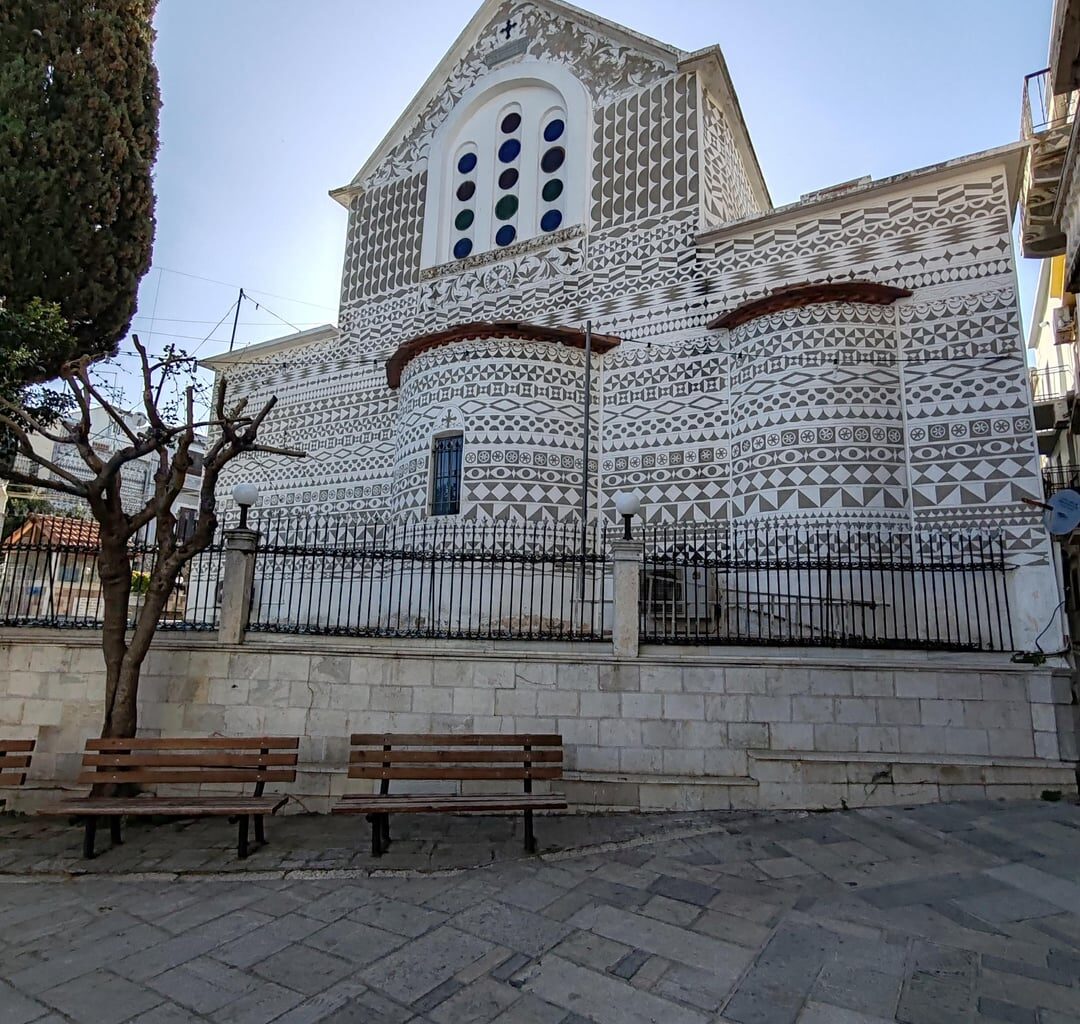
(725, 191)
(518, 405)
(646, 154)
(817, 416)
(789, 416)
(382, 251)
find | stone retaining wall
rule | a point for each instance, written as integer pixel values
(675, 728)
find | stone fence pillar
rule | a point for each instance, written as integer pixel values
(626, 627)
(237, 581)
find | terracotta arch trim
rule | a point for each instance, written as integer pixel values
(796, 295)
(477, 331)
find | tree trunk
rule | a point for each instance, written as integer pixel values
(114, 569)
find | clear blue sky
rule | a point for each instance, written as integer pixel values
(270, 103)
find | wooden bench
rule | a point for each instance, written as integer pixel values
(450, 756)
(14, 760)
(181, 762)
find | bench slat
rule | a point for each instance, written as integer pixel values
(176, 806)
(367, 739)
(359, 771)
(459, 756)
(12, 778)
(197, 743)
(206, 760)
(16, 746)
(192, 776)
(14, 761)
(436, 804)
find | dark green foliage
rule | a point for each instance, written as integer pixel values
(20, 509)
(78, 137)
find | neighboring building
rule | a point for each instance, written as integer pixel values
(48, 571)
(855, 357)
(137, 479)
(1050, 230)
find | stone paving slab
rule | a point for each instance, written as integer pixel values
(912, 915)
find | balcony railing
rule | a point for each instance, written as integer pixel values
(1059, 478)
(1046, 123)
(1052, 382)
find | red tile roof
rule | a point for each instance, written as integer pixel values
(500, 329)
(56, 530)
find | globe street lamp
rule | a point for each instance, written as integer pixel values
(627, 504)
(245, 495)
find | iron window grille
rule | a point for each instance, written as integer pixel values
(446, 476)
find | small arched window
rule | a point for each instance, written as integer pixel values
(508, 166)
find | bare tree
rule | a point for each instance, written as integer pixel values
(166, 439)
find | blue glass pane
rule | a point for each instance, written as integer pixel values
(462, 248)
(467, 163)
(509, 150)
(552, 160)
(554, 129)
(505, 235)
(551, 220)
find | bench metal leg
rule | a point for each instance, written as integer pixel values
(530, 839)
(385, 831)
(114, 831)
(376, 834)
(90, 825)
(260, 834)
(242, 838)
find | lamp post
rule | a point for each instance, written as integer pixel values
(627, 504)
(245, 495)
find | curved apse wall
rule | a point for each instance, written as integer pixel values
(817, 421)
(518, 404)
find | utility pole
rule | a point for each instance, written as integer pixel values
(585, 452)
(232, 337)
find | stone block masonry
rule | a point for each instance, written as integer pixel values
(674, 729)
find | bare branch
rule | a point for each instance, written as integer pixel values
(26, 449)
(114, 414)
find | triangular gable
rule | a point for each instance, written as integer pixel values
(608, 58)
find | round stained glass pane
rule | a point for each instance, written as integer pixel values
(463, 221)
(508, 178)
(462, 248)
(509, 150)
(467, 163)
(552, 190)
(506, 207)
(510, 123)
(505, 235)
(465, 190)
(554, 130)
(553, 159)
(551, 220)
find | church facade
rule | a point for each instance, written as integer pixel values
(560, 180)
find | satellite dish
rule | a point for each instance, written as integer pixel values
(1062, 514)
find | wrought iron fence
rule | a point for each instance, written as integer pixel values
(825, 587)
(57, 585)
(437, 578)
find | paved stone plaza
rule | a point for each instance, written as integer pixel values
(939, 913)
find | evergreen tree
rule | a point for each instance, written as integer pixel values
(78, 137)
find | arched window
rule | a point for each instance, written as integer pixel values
(508, 165)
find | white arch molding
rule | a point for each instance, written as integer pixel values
(537, 89)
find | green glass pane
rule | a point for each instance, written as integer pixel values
(506, 207)
(552, 190)
(463, 220)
